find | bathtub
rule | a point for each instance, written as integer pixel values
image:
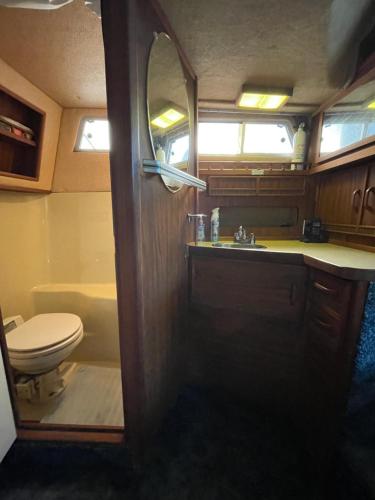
(96, 304)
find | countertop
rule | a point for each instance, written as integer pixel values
(345, 262)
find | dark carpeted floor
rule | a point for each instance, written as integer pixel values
(205, 451)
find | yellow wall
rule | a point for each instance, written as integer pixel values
(81, 238)
(17, 84)
(23, 256)
(56, 238)
(79, 171)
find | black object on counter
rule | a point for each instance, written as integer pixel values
(313, 232)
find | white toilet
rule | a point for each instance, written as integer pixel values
(37, 347)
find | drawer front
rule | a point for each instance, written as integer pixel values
(272, 290)
(330, 293)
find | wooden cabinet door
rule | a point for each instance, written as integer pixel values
(341, 196)
(368, 213)
(245, 329)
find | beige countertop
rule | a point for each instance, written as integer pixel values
(342, 261)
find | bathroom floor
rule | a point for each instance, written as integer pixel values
(93, 396)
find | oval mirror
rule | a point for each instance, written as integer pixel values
(168, 107)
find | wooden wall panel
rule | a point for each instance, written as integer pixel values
(150, 222)
(304, 205)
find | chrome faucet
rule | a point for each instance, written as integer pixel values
(241, 237)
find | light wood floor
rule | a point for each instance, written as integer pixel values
(93, 396)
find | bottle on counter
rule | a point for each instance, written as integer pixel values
(215, 224)
(200, 230)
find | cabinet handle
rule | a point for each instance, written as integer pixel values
(321, 323)
(292, 294)
(354, 194)
(324, 289)
(369, 190)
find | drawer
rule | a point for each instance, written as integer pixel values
(324, 328)
(330, 293)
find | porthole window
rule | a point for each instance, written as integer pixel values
(93, 135)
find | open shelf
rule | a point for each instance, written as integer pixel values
(19, 156)
(15, 137)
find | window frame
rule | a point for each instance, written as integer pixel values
(254, 157)
(81, 126)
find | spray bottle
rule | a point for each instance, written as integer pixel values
(215, 224)
(200, 233)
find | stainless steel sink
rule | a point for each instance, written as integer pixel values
(248, 246)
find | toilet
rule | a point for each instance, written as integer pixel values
(36, 349)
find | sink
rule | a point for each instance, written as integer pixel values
(248, 246)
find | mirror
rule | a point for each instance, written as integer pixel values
(350, 121)
(168, 107)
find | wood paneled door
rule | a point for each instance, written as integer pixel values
(341, 196)
(368, 211)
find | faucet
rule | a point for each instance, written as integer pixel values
(241, 237)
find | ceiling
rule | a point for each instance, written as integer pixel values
(60, 51)
(266, 42)
(229, 42)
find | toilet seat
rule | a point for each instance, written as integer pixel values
(43, 342)
(43, 331)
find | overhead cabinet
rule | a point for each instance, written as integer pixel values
(368, 207)
(346, 200)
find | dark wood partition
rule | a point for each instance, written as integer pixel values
(150, 223)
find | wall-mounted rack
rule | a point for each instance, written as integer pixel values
(159, 168)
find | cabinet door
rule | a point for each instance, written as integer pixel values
(341, 195)
(368, 214)
(245, 329)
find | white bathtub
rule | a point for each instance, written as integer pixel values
(96, 304)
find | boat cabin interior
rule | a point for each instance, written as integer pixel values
(187, 203)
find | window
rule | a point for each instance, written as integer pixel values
(93, 135)
(267, 138)
(178, 150)
(248, 140)
(346, 128)
(219, 138)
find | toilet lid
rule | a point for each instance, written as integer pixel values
(43, 331)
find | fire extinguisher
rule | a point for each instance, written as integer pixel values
(299, 148)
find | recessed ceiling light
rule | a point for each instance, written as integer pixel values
(263, 97)
(371, 104)
(167, 117)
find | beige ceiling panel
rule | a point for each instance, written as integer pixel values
(60, 51)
